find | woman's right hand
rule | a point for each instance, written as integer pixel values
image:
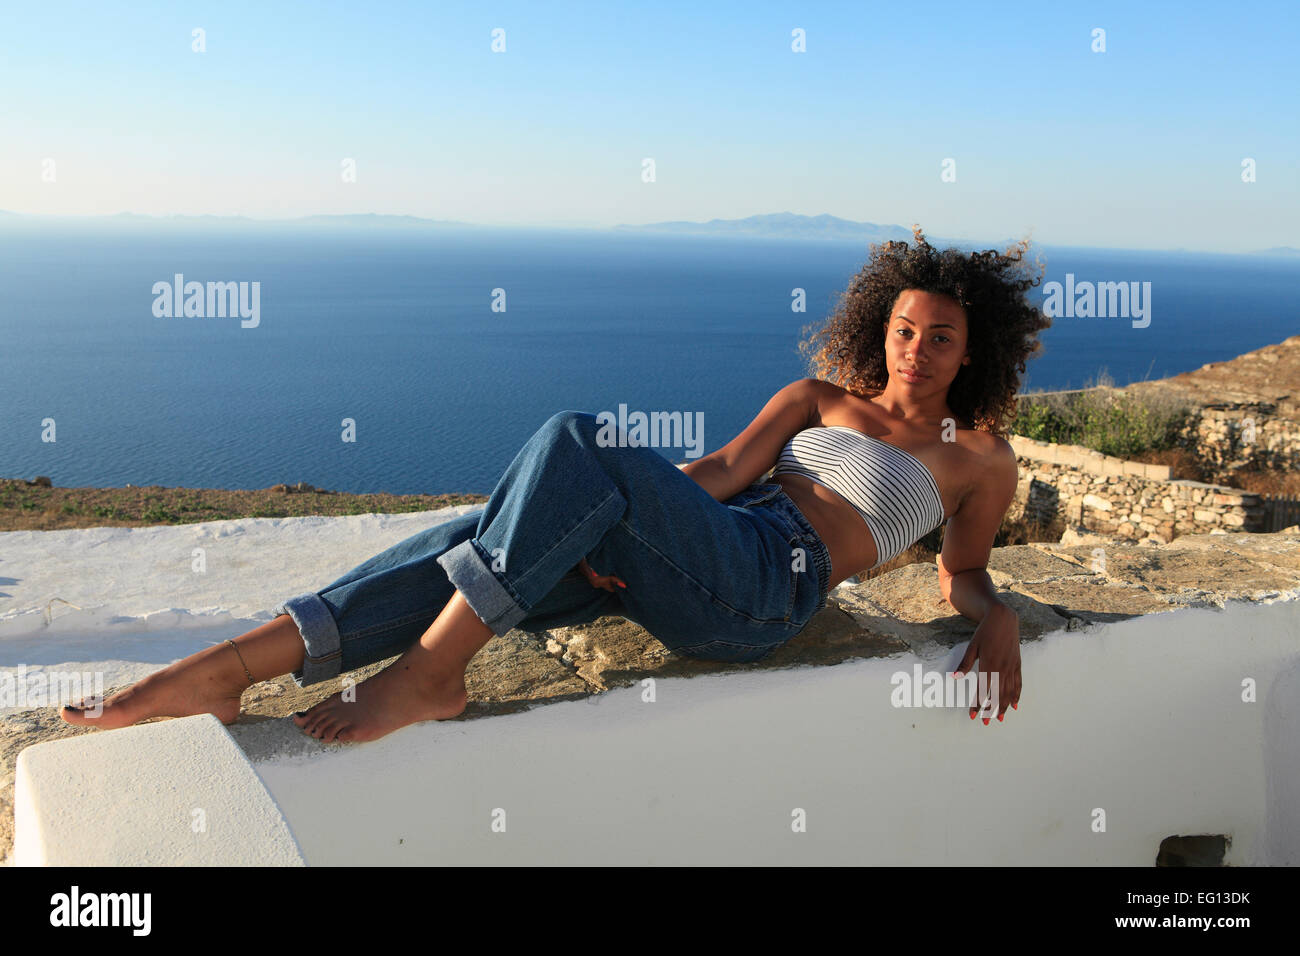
(606, 581)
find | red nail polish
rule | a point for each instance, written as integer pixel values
(972, 715)
(621, 584)
(1000, 716)
(1016, 705)
(986, 721)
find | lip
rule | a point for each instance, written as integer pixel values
(912, 376)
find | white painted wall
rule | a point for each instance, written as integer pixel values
(172, 793)
(1143, 718)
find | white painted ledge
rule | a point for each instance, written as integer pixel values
(1142, 719)
(173, 793)
(1144, 722)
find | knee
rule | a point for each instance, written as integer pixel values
(563, 419)
(581, 425)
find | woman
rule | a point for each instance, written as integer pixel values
(923, 358)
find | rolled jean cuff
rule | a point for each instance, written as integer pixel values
(470, 571)
(323, 650)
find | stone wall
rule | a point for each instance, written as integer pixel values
(1245, 411)
(1126, 498)
(1243, 436)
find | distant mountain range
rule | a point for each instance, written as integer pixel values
(377, 219)
(778, 225)
(782, 225)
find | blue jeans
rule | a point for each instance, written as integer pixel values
(729, 581)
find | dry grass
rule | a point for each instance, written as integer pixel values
(26, 506)
(1270, 482)
(1184, 465)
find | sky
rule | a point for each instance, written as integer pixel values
(106, 108)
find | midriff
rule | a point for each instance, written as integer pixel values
(837, 523)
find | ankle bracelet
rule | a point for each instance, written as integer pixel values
(251, 682)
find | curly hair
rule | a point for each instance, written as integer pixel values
(1002, 326)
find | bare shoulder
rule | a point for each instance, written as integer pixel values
(829, 397)
(823, 389)
(992, 449)
(812, 393)
(994, 472)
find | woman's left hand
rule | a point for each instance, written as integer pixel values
(996, 645)
(606, 581)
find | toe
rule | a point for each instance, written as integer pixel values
(306, 722)
(322, 726)
(83, 713)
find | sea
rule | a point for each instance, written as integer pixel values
(419, 360)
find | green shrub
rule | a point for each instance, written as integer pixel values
(1102, 418)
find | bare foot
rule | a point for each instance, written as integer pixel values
(403, 693)
(209, 682)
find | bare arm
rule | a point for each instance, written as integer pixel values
(966, 585)
(747, 457)
(968, 539)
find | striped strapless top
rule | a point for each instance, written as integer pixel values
(894, 492)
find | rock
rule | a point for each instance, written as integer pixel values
(42, 481)
(905, 605)
(1027, 564)
(1201, 570)
(1081, 535)
(284, 489)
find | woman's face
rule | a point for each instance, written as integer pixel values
(925, 342)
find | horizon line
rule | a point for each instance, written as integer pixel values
(588, 226)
